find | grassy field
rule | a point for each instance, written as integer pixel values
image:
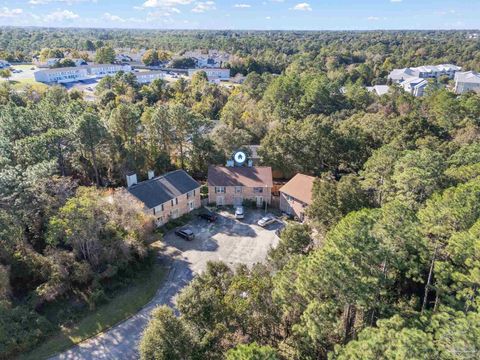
(19, 81)
(124, 305)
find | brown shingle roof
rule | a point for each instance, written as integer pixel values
(257, 176)
(299, 187)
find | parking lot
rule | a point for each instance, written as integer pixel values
(229, 240)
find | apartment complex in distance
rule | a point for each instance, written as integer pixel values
(168, 196)
(145, 77)
(414, 80)
(424, 72)
(467, 81)
(77, 73)
(214, 74)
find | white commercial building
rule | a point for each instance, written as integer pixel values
(212, 74)
(72, 74)
(467, 81)
(424, 72)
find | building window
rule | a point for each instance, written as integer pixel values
(191, 205)
(220, 189)
(153, 211)
(238, 189)
(171, 201)
(258, 190)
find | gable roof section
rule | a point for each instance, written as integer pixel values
(257, 176)
(300, 187)
(468, 77)
(163, 188)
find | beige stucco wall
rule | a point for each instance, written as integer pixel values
(230, 195)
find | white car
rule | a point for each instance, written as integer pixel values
(266, 220)
(239, 212)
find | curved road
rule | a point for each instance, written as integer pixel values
(227, 240)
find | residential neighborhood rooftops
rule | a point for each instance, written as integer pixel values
(256, 176)
(300, 187)
(379, 89)
(468, 77)
(163, 188)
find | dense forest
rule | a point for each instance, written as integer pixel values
(386, 268)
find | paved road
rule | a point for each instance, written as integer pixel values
(227, 240)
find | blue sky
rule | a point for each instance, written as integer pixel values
(245, 14)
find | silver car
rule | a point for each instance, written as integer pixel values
(239, 212)
(266, 220)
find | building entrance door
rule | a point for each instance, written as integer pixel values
(220, 201)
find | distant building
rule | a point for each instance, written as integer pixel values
(72, 74)
(415, 86)
(122, 58)
(212, 74)
(378, 89)
(146, 77)
(234, 185)
(424, 72)
(168, 196)
(467, 81)
(296, 195)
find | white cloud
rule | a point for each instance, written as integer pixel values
(153, 15)
(373, 18)
(203, 6)
(6, 12)
(268, 17)
(242, 6)
(61, 15)
(302, 7)
(69, 2)
(165, 3)
(396, 1)
(111, 17)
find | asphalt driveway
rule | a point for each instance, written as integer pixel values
(229, 240)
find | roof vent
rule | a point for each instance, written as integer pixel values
(151, 174)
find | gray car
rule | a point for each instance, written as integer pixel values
(267, 220)
(185, 233)
(239, 212)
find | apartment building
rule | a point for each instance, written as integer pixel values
(77, 73)
(467, 81)
(146, 77)
(214, 74)
(168, 196)
(234, 185)
(424, 72)
(296, 195)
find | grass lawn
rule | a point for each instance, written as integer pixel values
(124, 305)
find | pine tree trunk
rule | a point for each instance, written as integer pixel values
(429, 280)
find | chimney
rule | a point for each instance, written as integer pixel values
(151, 174)
(131, 179)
